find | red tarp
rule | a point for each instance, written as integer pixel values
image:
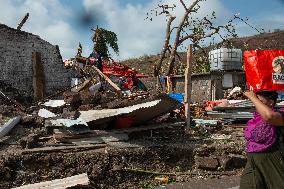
(120, 70)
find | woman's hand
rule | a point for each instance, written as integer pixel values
(266, 112)
(250, 94)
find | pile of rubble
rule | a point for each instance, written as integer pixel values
(109, 126)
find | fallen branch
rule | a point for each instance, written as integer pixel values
(63, 149)
(15, 103)
(177, 173)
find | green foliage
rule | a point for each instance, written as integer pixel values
(103, 39)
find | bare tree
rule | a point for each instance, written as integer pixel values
(188, 28)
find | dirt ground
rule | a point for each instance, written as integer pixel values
(219, 183)
(136, 163)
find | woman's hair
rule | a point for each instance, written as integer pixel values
(271, 95)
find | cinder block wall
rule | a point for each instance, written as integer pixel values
(16, 48)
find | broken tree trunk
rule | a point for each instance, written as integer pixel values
(38, 77)
(178, 41)
(188, 86)
(165, 48)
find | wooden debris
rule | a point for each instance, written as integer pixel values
(81, 179)
(39, 85)
(85, 85)
(188, 86)
(59, 136)
(63, 149)
(23, 21)
(15, 103)
(85, 139)
(107, 79)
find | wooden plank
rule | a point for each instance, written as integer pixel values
(85, 85)
(38, 76)
(23, 21)
(148, 127)
(81, 179)
(188, 86)
(9, 126)
(59, 136)
(97, 139)
(63, 149)
(107, 79)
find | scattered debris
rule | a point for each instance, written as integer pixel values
(45, 113)
(7, 127)
(54, 103)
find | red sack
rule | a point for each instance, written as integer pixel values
(264, 70)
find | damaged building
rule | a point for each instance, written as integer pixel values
(30, 65)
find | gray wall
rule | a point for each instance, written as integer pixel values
(208, 86)
(201, 88)
(16, 48)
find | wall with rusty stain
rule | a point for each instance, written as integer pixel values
(16, 48)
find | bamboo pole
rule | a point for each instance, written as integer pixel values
(188, 86)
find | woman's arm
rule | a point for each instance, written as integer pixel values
(270, 116)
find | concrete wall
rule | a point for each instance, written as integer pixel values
(201, 88)
(149, 82)
(16, 48)
(208, 86)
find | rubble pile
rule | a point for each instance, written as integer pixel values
(119, 140)
(108, 126)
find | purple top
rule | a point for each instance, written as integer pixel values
(259, 135)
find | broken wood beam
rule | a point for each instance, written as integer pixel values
(63, 149)
(23, 21)
(15, 103)
(82, 59)
(107, 79)
(81, 179)
(38, 76)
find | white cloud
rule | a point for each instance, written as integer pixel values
(47, 19)
(137, 36)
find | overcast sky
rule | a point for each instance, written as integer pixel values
(68, 22)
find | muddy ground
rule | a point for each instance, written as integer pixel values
(168, 151)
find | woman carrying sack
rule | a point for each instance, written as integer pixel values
(265, 161)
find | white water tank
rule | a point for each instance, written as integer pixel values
(225, 59)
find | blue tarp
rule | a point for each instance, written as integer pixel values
(177, 96)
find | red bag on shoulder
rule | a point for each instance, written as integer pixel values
(264, 70)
